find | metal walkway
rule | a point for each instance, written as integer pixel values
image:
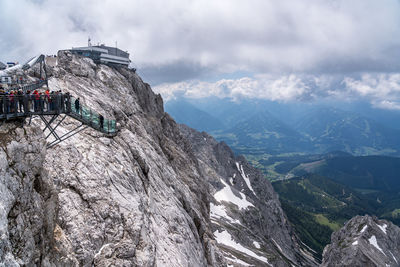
(53, 109)
(31, 87)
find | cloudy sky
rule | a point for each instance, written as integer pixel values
(279, 50)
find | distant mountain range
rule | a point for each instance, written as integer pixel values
(184, 112)
(265, 133)
(326, 161)
(265, 127)
(377, 173)
(327, 190)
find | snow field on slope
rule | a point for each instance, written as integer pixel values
(383, 228)
(394, 257)
(246, 179)
(218, 212)
(373, 242)
(364, 228)
(226, 194)
(225, 238)
(237, 261)
(256, 244)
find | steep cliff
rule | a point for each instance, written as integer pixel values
(247, 220)
(28, 201)
(364, 241)
(154, 195)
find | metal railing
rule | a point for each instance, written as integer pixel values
(13, 106)
(95, 120)
(30, 87)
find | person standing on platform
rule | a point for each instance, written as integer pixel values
(20, 101)
(101, 119)
(36, 98)
(48, 100)
(77, 105)
(68, 102)
(2, 96)
(12, 101)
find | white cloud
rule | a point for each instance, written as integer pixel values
(382, 90)
(276, 88)
(302, 45)
(227, 35)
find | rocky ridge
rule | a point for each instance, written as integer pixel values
(364, 241)
(157, 194)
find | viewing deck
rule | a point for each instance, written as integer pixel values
(27, 105)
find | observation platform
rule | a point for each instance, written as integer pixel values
(58, 106)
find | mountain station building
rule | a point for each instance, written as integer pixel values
(102, 54)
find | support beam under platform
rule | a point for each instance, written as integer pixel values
(59, 139)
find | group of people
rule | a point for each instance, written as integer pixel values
(17, 101)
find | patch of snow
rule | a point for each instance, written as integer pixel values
(373, 242)
(231, 180)
(218, 212)
(226, 194)
(237, 261)
(225, 238)
(246, 179)
(234, 175)
(364, 228)
(383, 228)
(256, 244)
(355, 243)
(101, 249)
(276, 244)
(394, 257)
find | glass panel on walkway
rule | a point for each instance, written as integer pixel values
(92, 117)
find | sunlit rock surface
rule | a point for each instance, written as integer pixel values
(157, 194)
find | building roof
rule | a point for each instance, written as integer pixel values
(114, 51)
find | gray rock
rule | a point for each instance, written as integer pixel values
(28, 200)
(364, 241)
(259, 233)
(141, 198)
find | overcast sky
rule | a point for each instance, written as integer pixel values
(279, 50)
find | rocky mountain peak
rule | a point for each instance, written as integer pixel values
(156, 194)
(364, 241)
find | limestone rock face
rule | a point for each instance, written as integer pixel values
(364, 241)
(28, 200)
(156, 194)
(247, 220)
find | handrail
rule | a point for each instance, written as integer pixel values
(14, 106)
(31, 87)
